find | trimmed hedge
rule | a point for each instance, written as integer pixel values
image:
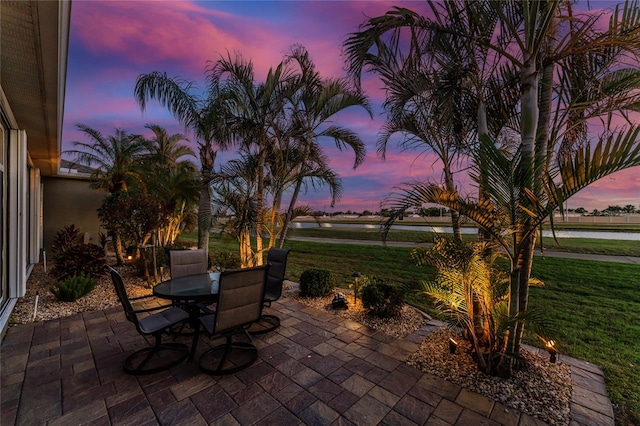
(316, 282)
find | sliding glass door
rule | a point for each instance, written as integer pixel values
(4, 290)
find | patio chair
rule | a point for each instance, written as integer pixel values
(183, 263)
(160, 356)
(239, 305)
(277, 260)
(187, 262)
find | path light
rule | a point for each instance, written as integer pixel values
(453, 346)
(551, 347)
(356, 277)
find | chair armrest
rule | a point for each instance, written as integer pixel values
(205, 309)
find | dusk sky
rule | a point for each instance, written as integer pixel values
(112, 42)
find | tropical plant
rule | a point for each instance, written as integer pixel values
(235, 196)
(175, 183)
(313, 102)
(525, 182)
(253, 113)
(198, 114)
(71, 289)
(380, 298)
(474, 296)
(72, 257)
(116, 161)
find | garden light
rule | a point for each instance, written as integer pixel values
(356, 276)
(453, 346)
(551, 347)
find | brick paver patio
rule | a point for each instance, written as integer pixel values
(316, 369)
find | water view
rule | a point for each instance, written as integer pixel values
(599, 235)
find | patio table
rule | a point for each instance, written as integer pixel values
(192, 291)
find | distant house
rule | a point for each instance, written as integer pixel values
(34, 38)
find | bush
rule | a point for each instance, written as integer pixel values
(72, 258)
(73, 288)
(316, 282)
(381, 299)
(223, 259)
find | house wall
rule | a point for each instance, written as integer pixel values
(69, 201)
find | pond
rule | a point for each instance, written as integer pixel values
(599, 235)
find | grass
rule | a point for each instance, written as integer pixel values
(594, 306)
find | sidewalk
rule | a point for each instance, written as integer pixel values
(566, 255)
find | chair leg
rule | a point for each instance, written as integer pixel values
(228, 358)
(265, 324)
(159, 357)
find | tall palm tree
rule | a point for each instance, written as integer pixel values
(167, 148)
(175, 183)
(285, 172)
(116, 161)
(314, 102)
(197, 113)
(441, 88)
(532, 179)
(236, 188)
(253, 114)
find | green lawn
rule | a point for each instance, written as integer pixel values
(595, 306)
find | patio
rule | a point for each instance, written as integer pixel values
(315, 369)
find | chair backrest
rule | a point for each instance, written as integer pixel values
(240, 298)
(277, 258)
(187, 262)
(121, 292)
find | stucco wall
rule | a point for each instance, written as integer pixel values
(66, 202)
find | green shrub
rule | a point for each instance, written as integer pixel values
(223, 259)
(73, 288)
(381, 299)
(316, 282)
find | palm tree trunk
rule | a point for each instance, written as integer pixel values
(529, 126)
(204, 212)
(483, 129)
(289, 217)
(455, 216)
(260, 207)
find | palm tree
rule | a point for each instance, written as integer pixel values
(314, 102)
(236, 189)
(441, 88)
(174, 182)
(253, 114)
(198, 114)
(167, 148)
(116, 161)
(527, 183)
(285, 171)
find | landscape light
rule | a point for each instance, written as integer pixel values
(453, 346)
(551, 347)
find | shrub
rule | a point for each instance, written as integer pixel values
(381, 299)
(72, 258)
(73, 288)
(316, 282)
(223, 259)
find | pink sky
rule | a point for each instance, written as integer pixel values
(112, 42)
